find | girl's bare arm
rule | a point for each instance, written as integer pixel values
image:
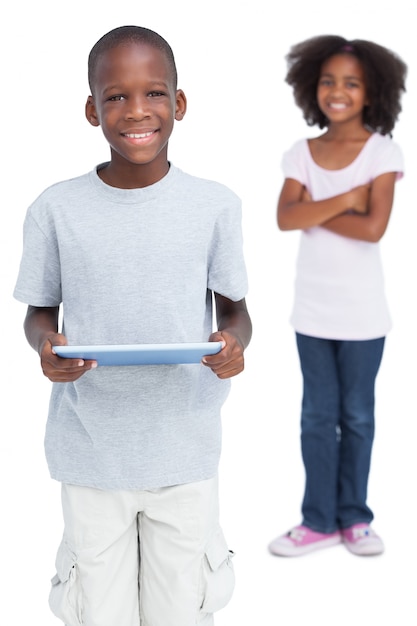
(297, 211)
(371, 225)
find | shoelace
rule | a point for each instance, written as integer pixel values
(297, 534)
(359, 533)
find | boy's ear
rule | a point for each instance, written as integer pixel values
(180, 105)
(90, 112)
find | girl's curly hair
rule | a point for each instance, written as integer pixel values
(384, 71)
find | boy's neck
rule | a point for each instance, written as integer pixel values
(133, 176)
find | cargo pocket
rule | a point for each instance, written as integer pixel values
(65, 595)
(218, 574)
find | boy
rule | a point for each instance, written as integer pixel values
(134, 251)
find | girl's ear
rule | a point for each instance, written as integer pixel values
(180, 105)
(90, 112)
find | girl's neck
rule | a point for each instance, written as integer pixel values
(337, 148)
(346, 133)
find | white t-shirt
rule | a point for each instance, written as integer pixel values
(339, 287)
(134, 266)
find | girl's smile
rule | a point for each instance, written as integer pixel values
(341, 90)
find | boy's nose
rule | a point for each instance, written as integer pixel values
(137, 109)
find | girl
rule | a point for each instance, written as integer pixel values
(339, 190)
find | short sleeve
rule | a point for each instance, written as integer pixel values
(294, 163)
(387, 157)
(227, 272)
(39, 279)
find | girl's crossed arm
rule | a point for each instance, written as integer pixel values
(371, 225)
(296, 209)
(361, 213)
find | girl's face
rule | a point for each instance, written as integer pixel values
(341, 89)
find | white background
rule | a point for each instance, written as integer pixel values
(241, 117)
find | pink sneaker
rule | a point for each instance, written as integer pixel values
(360, 539)
(301, 540)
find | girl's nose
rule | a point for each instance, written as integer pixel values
(337, 88)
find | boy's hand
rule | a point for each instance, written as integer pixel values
(60, 370)
(229, 361)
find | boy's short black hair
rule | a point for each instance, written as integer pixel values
(384, 71)
(129, 34)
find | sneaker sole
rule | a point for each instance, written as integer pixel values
(291, 550)
(365, 550)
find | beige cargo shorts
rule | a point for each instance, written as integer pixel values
(148, 558)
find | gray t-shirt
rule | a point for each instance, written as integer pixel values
(134, 266)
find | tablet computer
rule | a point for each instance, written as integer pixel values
(141, 354)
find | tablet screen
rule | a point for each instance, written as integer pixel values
(141, 354)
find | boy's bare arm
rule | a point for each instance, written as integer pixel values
(40, 324)
(235, 330)
(41, 329)
(297, 211)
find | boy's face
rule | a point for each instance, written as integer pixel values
(135, 103)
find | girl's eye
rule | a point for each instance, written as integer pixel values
(352, 85)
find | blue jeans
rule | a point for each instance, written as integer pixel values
(337, 429)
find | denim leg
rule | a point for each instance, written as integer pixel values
(320, 418)
(358, 363)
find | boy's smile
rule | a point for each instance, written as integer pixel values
(135, 102)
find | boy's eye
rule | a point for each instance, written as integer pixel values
(116, 98)
(155, 94)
